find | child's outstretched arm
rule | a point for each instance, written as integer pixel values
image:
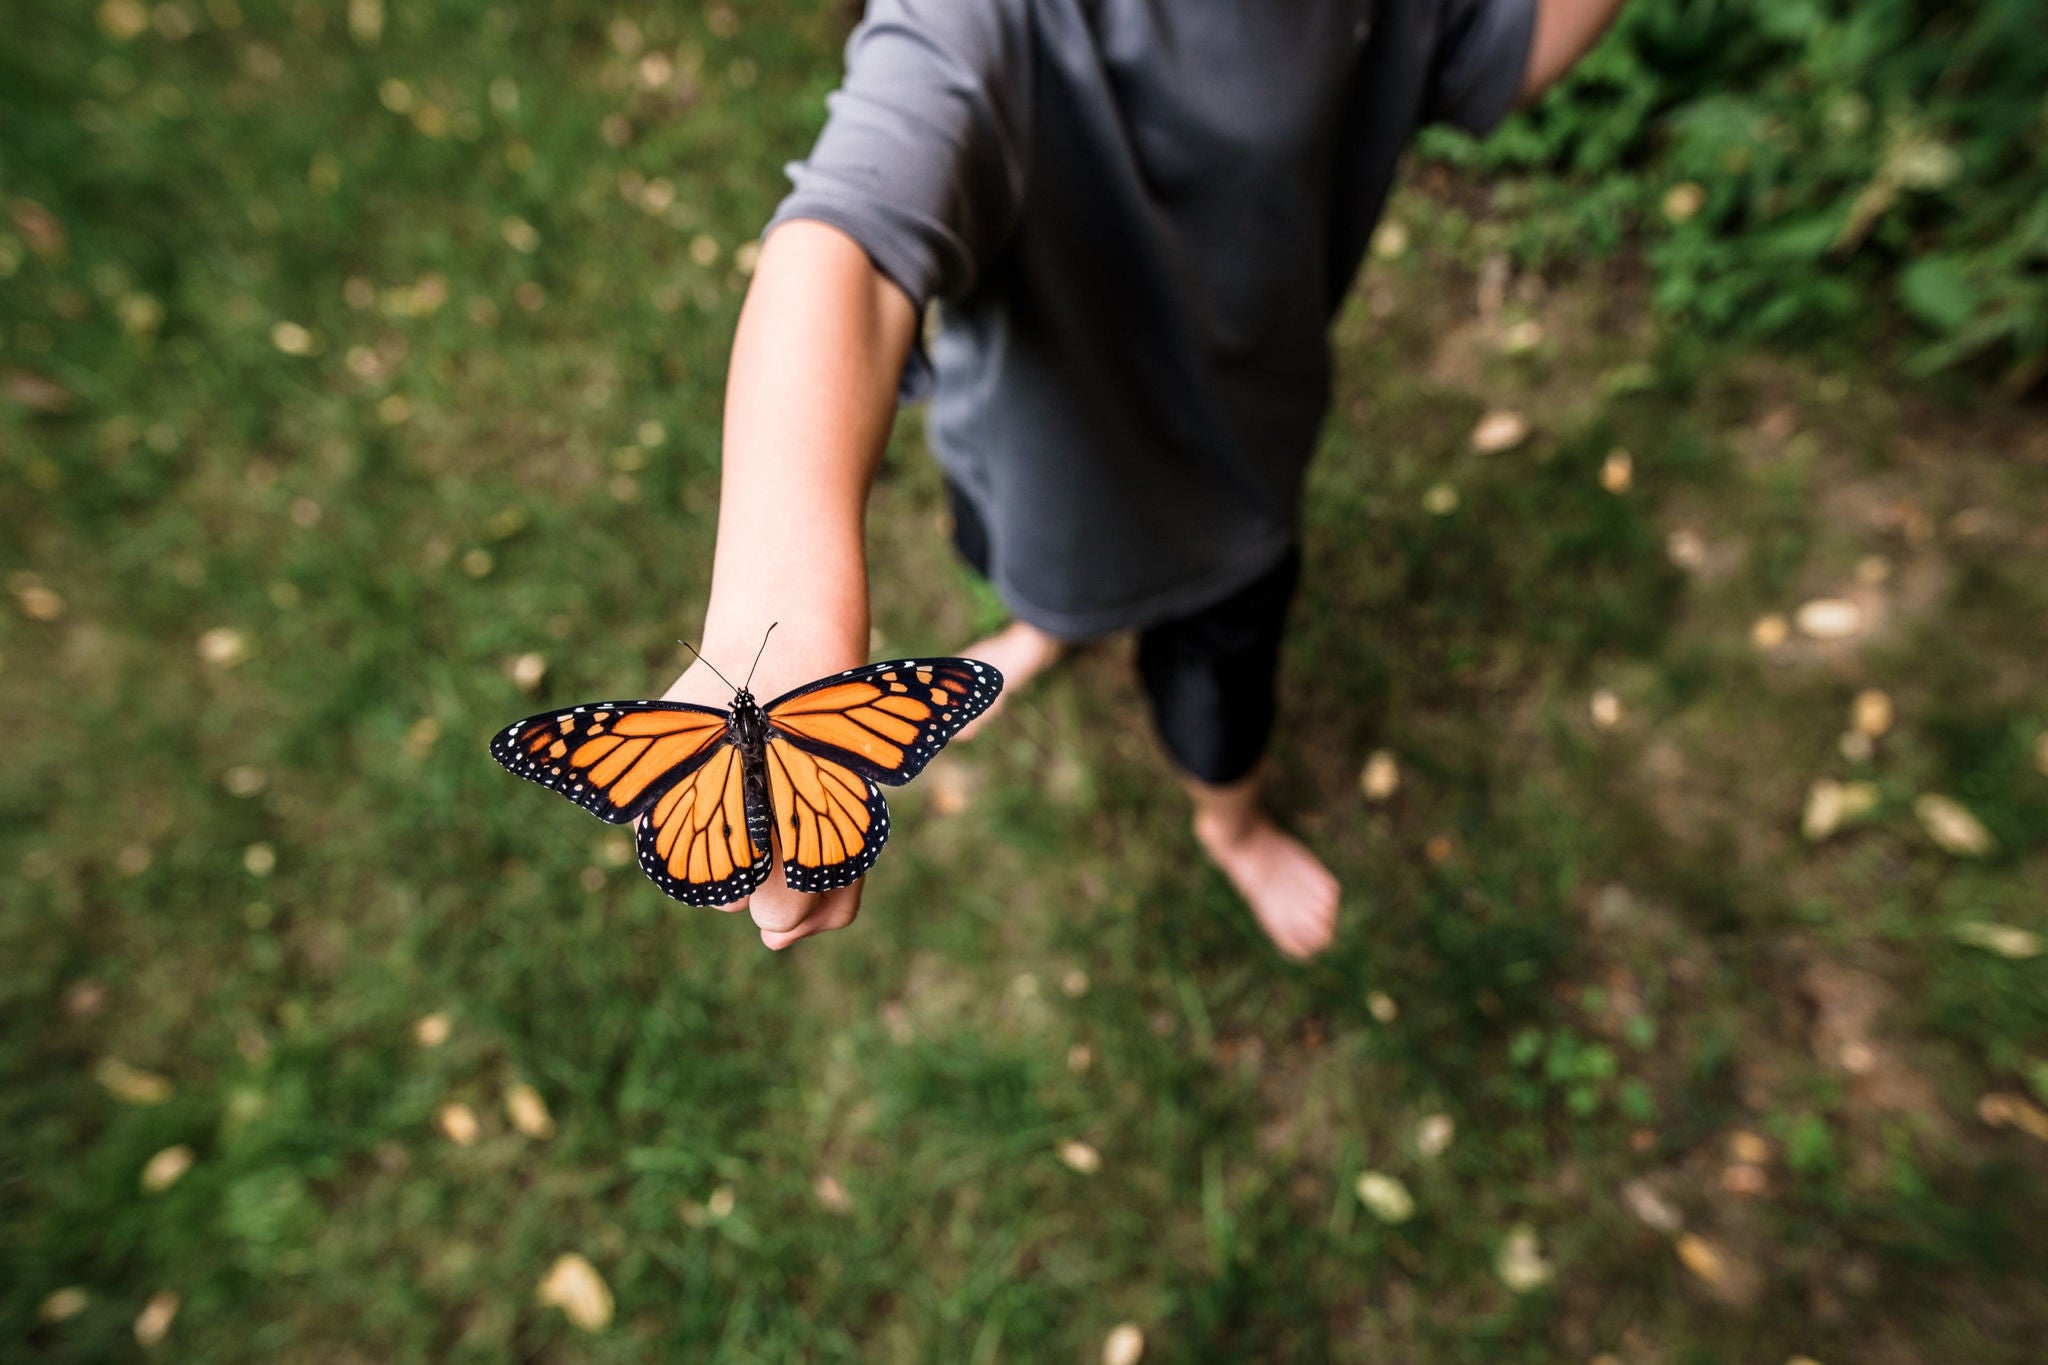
(809, 399)
(1565, 31)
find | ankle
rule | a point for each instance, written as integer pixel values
(1226, 826)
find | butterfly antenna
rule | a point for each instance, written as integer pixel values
(708, 664)
(759, 652)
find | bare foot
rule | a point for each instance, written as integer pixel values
(1290, 892)
(1020, 653)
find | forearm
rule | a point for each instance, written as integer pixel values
(810, 395)
(1565, 31)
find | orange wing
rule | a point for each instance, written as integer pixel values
(705, 842)
(830, 821)
(885, 721)
(613, 758)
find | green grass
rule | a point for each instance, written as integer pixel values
(1609, 949)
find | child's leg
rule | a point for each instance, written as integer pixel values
(1210, 679)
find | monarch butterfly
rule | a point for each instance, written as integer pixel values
(723, 791)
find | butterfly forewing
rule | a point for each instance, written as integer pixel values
(614, 758)
(886, 721)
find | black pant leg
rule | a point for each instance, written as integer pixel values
(1211, 675)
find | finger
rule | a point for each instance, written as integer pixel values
(835, 910)
(776, 908)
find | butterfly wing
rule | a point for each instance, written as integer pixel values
(705, 841)
(830, 819)
(613, 758)
(885, 721)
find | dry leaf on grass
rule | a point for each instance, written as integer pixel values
(1831, 804)
(528, 1111)
(1498, 431)
(1520, 1262)
(2001, 1110)
(1951, 825)
(67, 1302)
(154, 1321)
(1381, 777)
(2004, 939)
(1433, 1135)
(527, 672)
(831, 1193)
(1125, 1345)
(1079, 1156)
(573, 1285)
(132, 1085)
(1871, 713)
(164, 1169)
(1702, 1258)
(223, 647)
(1386, 1196)
(1829, 618)
(458, 1124)
(1748, 1147)
(1651, 1209)
(1617, 471)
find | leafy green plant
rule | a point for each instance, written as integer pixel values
(1797, 166)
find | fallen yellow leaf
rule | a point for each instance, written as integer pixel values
(831, 1193)
(132, 1085)
(1702, 1258)
(1952, 826)
(1433, 1135)
(458, 1124)
(2003, 939)
(1617, 472)
(1498, 431)
(1125, 1345)
(155, 1319)
(1871, 712)
(528, 1111)
(1829, 618)
(1520, 1263)
(1386, 1196)
(1382, 776)
(164, 1169)
(573, 1285)
(2001, 1110)
(1748, 1147)
(67, 1302)
(1080, 1157)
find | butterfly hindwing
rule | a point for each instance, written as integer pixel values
(613, 758)
(706, 840)
(830, 819)
(886, 721)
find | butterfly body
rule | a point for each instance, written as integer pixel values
(719, 794)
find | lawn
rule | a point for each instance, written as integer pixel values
(360, 379)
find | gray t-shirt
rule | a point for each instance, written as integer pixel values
(1138, 217)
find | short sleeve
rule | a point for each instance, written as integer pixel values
(1481, 55)
(922, 158)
